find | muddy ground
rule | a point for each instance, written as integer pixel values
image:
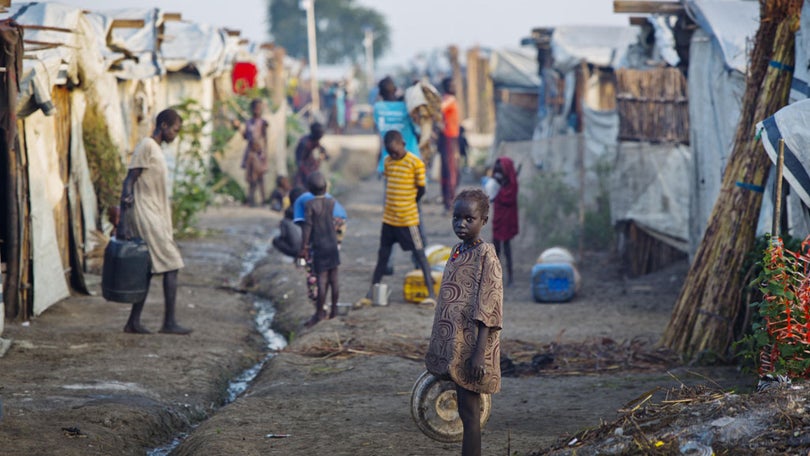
(74, 384)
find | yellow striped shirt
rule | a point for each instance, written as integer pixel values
(403, 176)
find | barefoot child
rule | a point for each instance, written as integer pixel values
(465, 341)
(320, 241)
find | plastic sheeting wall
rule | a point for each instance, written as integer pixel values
(81, 183)
(715, 97)
(49, 278)
(650, 185)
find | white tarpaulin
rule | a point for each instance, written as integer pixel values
(600, 45)
(46, 191)
(717, 64)
(130, 52)
(800, 86)
(791, 124)
(715, 99)
(514, 69)
(732, 23)
(650, 185)
(199, 47)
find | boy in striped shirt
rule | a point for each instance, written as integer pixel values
(405, 186)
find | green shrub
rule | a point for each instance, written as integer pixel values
(190, 191)
(107, 170)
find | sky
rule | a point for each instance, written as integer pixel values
(416, 25)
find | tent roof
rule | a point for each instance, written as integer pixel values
(516, 68)
(130, 52)
(604, 46)
(733, 23)
(198, 46)
(53, 44)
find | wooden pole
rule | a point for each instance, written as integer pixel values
(313, 57)
(582, 78)
(279, 82)
(777, 203)
(452, 51)
(12, 282)
(473, 90)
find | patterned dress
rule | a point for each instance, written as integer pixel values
(471, 291)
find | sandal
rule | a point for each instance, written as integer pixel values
(428, 302)
(362, 302)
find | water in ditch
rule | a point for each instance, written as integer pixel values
(265, 312)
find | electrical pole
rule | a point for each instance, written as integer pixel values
(368, 43)
(313, 56)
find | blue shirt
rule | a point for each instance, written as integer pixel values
(393, 115)
(300, 205)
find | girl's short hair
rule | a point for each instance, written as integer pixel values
(477, 196)
(168, 116)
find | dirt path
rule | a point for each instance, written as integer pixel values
(322, 398)
(74, 384)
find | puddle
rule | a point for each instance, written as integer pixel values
(265, 312)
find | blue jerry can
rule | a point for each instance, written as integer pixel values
(553, 282)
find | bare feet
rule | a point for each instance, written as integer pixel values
(314, 319)
(175, 329)
(135, 328)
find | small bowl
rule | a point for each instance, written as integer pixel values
(343, 308)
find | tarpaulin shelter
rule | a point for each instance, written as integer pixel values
(665, 187)
(791, 125)
(565, 102)
(718, 61)
(130, 43)
(58, 63)
(53, 202)
(516, 82)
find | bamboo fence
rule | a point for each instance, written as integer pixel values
(653, 105)
(704, 314)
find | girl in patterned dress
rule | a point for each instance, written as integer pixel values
(465, 341)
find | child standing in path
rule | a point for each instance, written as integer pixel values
(255, 169)
(505, 210)
(320, 241)
(465, 341)
(404, 186)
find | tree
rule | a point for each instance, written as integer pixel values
(340, 26)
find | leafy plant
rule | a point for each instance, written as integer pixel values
(598, 227)
(103, 157)
(551, 210)
(190, 192)
(779, 341)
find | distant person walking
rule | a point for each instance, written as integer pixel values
(465, 340)
(308, 154)
(448, 144)
(145, 192)
(255, 132)
(404, 175)
(320, 246)
(505, 210)
(391, 113)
